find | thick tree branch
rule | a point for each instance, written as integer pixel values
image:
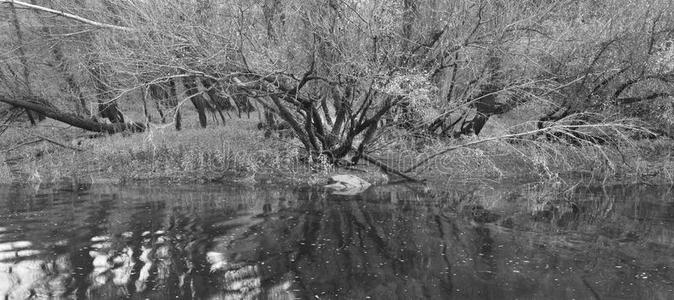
(68, 15)
(507, 136)
(630, 100)
(73, 119)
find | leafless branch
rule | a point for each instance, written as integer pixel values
(67, 15)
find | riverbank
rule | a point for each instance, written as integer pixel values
(239, 153)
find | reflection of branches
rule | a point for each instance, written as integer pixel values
(445, 255)
(361, 244)
(485, 253)
(590, 288)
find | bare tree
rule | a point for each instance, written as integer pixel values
(336, 72)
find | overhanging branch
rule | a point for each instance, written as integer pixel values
(68, 15)
(74, 120)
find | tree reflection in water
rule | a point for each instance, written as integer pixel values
(208, 242)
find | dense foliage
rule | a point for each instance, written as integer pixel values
(337, 72)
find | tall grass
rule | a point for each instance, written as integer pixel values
(239, 151)
(526, 153)
(192, 154)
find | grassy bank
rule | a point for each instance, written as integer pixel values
(238, 152)
(536, 160)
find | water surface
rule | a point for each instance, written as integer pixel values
(395, 242)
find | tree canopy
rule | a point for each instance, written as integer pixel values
(338, 71)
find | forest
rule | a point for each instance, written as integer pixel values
(339, 81)
(179, 149)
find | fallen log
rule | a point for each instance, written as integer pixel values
(74, 120)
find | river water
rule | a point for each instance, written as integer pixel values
(530, 241)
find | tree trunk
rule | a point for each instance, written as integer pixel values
(271, 9)
(24, 60)
(72, 119)
(107, 106)
(192, 91)
(61, 67)
(210, 94)
(479, 108)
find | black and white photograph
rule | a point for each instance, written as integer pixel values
(337, 149)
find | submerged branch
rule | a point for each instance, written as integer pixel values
(386, 168)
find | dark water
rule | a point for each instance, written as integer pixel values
(216, 242)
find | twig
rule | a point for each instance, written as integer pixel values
(22, 144)
(55, 142)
